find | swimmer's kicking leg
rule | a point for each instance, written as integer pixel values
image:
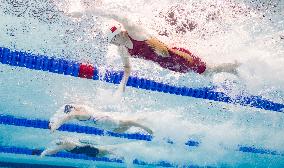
(100, 119)
(125, 125)
(225, 67)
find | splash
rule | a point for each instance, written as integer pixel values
(250, 32)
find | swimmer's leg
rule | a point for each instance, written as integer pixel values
(226, 67)
(125, 125)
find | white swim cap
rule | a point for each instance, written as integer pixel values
(113, 31)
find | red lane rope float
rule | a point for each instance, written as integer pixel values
(86, 71)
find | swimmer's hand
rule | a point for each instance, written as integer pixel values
(58, 119)
(118, 93)
(50, 151)
(120, 90)
(53, 126)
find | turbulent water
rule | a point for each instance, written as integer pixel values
(220, 31)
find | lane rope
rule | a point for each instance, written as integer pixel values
(43, 124)
(73, 68)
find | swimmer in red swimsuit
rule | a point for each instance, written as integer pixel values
(132, 41)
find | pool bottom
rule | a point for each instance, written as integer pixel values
(28, 165)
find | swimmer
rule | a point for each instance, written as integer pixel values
(76, 147)
(103, 120)
(133, 41)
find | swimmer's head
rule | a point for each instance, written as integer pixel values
(68, 108)
(112, 32)
(116, 36)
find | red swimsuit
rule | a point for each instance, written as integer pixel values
(174, 62)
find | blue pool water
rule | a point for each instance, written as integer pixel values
(227, 135)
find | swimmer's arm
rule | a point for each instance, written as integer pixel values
(58, 148)
(50, 151)
(133, 30)
(116, 15)
(127, 68)
(136, 32)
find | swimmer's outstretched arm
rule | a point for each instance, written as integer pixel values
(65, 144)
(118, 16)
(135, 31)
(51, 151)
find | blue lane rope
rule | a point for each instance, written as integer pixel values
(42, 124)
(30, 165)
(66, 67)
(27, 151)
